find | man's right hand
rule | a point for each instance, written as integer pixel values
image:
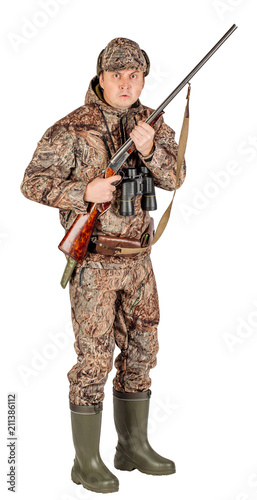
(101, 190)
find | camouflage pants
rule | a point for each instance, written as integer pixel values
(114, 305)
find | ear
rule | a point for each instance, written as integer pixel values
(101, 80)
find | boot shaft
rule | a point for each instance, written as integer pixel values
(133, 451)
(86, 429)
(89, 469)
(131, 411)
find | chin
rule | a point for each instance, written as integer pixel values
(125, 104)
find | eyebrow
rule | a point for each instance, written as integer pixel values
(120, 72)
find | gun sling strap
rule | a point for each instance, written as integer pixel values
(181, 153)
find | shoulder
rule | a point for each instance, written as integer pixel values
(83, 115)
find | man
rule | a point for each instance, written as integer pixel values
(113, 298)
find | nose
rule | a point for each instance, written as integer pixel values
(124, 83)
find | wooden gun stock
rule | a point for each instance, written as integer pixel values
(76, 240)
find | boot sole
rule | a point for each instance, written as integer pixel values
(76, 479)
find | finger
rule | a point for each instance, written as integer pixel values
(146, 128)
(144, 125)
(136, 135)
(113, 178)
(138, 129)
(143, 133)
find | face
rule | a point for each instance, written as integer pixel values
(122, 88)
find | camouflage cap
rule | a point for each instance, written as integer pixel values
(122, 53)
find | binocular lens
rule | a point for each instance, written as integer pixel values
(128, 191)
(126, 207)
(149, 202)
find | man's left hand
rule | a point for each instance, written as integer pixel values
(142, 136)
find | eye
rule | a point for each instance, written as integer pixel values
(134, 76)
(116, 75)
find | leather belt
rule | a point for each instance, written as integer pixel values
(107, 245)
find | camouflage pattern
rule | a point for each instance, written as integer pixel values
(76, 149)
(113, 299)
(113, 306)
(122, 53)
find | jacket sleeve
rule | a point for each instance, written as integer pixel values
(48, 177)
(163, 161)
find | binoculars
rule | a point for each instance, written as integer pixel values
(137, 181)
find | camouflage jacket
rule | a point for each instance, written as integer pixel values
(76, 149)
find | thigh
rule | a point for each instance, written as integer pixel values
(140, 301)
(92, 297)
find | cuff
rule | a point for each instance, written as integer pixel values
(76, 197)
(132, 396)
(148, 157)
(86, 410)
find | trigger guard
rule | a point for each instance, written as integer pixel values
(117, 183)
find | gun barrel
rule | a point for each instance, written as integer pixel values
(120, 156)
(191, 74)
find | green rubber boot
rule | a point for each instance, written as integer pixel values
(89, 469)
(133, 450)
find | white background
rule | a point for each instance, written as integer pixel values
(203, 408)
